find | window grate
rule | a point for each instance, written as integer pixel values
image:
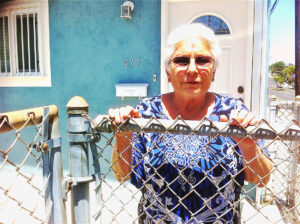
(19, 43)
(27, 43)
(24, 44)
(4, 49)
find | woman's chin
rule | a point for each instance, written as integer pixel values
(195, 91)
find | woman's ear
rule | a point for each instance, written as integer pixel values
(213, 75)
(168, 75)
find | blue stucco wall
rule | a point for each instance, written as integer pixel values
(89, 44)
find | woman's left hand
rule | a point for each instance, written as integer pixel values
(257, 166)
(242, 118)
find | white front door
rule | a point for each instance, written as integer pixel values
(234, 69)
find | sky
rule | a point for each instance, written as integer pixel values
(282, 32)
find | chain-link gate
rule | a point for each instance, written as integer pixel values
(30, 167)
(118, 202)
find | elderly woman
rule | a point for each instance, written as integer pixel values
(189, 179)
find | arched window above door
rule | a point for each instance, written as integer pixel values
(215, 23)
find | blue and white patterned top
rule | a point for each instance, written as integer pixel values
(194, 179)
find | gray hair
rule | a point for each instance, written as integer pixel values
(184, 32)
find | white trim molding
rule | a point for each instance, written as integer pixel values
(259, 57)
(164, 85)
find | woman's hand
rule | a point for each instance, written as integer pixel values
(257, 166)
(122, 154)
(122, 113)
(242, 118)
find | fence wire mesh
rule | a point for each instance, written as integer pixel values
(165, 187)
(285, 182)
(168, 184)
(22, 186)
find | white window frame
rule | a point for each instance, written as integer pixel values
(24, 79)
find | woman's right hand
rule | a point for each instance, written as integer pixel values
(122, 153)
(121, 114)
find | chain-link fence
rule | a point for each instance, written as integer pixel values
(171, 172)
(176, 169)
(30, 167)
(285, 183)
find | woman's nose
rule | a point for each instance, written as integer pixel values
(192, 67)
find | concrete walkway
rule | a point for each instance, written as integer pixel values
(265, 215)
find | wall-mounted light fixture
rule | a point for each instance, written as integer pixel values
(126, 10)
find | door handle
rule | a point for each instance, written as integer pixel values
(240, 89)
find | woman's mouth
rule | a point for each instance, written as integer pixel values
(192, 82)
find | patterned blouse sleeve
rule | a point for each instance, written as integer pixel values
(138, 151)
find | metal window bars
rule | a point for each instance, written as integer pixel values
(30, 167)
(19, 40)
(117, 202)
(27, 42)
(4, 42)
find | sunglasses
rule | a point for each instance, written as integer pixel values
(199, 60)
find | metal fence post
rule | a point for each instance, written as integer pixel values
(78, 129)
(272, 119)
(46, 168)
(55, 167)
(273, 109)
(52, 168)
(297, 108)
(294, 165)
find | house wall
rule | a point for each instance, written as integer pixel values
(89, 45)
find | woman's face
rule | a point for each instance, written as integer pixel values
(191, 67)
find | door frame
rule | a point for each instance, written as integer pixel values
(256, 53)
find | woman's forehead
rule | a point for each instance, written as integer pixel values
(192, 45)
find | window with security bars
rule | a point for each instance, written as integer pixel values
(24, 33)
(4, 41)
(24, 41)
(215, 23)
(27, 43)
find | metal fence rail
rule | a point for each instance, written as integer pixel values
(117, 202)
(30, 167)
(263, 130)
